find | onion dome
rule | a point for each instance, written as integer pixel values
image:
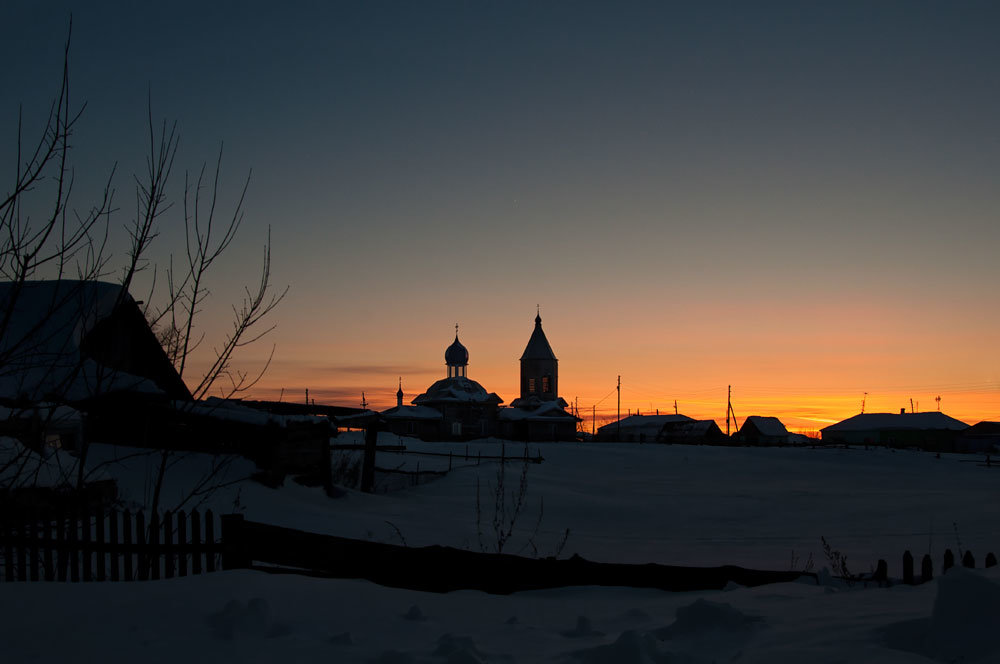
(456, 355)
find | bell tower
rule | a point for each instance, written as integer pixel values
(539, 367)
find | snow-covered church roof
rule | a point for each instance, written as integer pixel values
(457, 389)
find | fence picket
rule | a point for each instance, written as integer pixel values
(47, 568)
(73, 537)
(196, 549)
(61, 553)
(6, 529)
(20, 543)
(85, 544)
(168, 545)
(100, 546)
(908, 568)
(182, 562)
(153, 546)
(33, 549)
(113, 548)
(209, 541)
(127, 546)
(140, 546)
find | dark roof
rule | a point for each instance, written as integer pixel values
(900, 421)
(457, 354)
(767, 426)
(538, 347)
(68, 340)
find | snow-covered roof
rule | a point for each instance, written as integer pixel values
(234, 411)
(645, 422)
(767, 426)
(932, 420)
(41, 344)
(412, 413)
(459, 389)
(546, 410)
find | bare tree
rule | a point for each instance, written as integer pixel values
(65, 243)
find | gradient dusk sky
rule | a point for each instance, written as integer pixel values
(800, 199)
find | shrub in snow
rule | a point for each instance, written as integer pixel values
(250, 619)
(414, 613)
(458, 649)
(583, 628)
(629, 648)
(703, 616)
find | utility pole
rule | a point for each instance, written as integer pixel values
(938, 399)
(675, 406)
(619, 388)
(593, 421)
(364, 403)
(729, 407)
(307, 396)
(911, 406)
(863, 400)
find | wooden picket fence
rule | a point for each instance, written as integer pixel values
(107, 546)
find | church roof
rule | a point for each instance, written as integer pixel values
(457, 389)
(538, 347)
(456, 354)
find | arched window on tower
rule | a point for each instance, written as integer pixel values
(546, 387)
(531, 385)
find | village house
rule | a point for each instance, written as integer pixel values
(759, 430)
(931, 430)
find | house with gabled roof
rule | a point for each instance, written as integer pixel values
(760, 430)
(931, 430)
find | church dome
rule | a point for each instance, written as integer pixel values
(457, 354)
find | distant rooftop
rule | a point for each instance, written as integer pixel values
(898, 421)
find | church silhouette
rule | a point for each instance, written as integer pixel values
(459, 408)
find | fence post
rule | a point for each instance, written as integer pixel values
(968, 560)
(21, 544)
(881, 576)
(33, 538)
(168, 545)
(368, 462)
(6, 529)
(182, 561)
(195, 542)
(949, 561)
(85, 544)
(926, 568)
(154, 551)
(991, 560)
(113, 543)
(74, 546)
(100, 546)
(234, 544)
(61, 553)
(209, 541)
(128, 547)
(142, 559)
(908, 568)
(47, 569)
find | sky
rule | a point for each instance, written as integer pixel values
(797, 199)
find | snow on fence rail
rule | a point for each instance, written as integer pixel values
(106, 546)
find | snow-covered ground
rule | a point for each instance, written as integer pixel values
(765, 508)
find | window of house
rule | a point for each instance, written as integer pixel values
(545, 384)
(531, 384)
(456, 428)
